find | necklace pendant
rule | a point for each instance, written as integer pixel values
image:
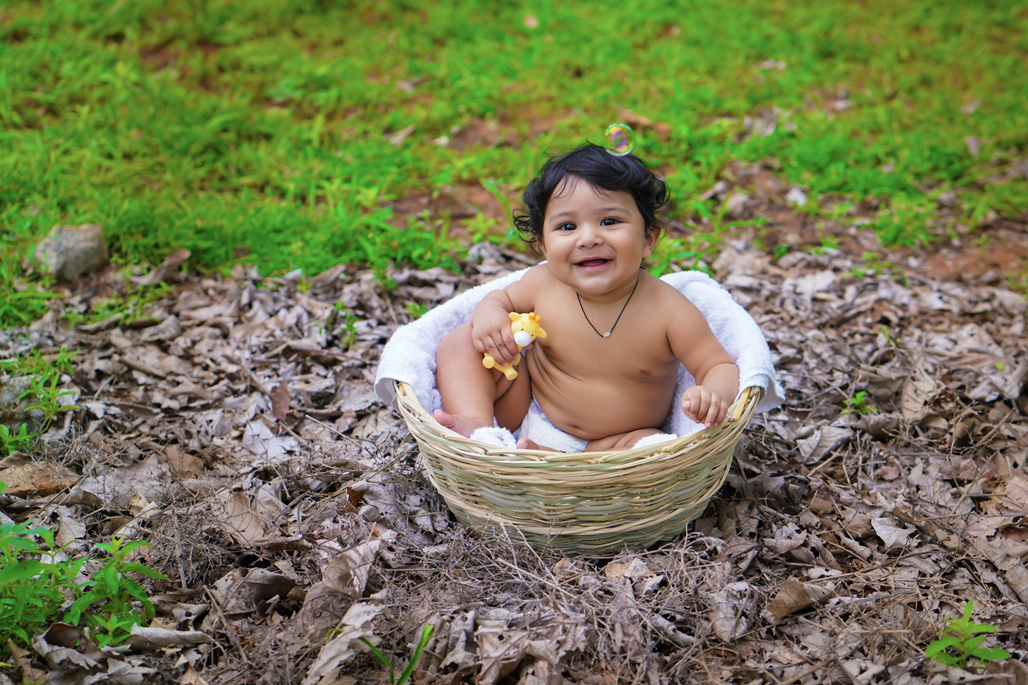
(607, 334)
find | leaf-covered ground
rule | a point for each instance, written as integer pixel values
(235, 428)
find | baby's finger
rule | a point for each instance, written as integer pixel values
(510, 346)
(722, 410)
(713, 413)
(508, 342)
(702, 405)
(497, 351)
(687, 407)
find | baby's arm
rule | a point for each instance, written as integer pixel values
(490, 320)
(717, 376)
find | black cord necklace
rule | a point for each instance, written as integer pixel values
(607, 334)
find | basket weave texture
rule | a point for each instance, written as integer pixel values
(585, 503)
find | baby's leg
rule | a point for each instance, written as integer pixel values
(473, 394)
(620, 441)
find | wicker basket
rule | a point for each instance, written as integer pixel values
(585, 503)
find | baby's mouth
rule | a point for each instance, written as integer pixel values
(592, 263)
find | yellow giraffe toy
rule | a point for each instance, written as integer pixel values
(525, 328)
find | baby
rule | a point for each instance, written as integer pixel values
(604, 376)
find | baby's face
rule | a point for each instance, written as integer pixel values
(595, 240)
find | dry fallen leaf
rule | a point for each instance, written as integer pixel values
(731, 610)
(239, 520)
(795, 595)
(37, 479)
(918, 392)
(891, 531)
(356, 624)
(280, 401)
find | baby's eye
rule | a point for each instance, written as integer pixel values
(610, 221)
(566, 227)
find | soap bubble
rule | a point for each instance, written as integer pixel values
(621, 139)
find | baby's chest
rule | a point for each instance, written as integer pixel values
(612, 358)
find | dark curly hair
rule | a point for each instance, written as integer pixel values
(599, 167)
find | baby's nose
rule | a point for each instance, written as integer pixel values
(591, 235)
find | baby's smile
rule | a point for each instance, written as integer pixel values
(593, 263)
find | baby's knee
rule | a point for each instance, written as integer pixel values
(456, 344)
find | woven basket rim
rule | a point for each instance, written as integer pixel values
(741, 410)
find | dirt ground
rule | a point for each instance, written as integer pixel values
(236, 429)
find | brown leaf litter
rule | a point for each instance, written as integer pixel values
(237, 430)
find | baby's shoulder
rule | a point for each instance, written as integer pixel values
(664, 294)
(534, 277)
(527, 292)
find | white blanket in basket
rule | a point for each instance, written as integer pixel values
(409, 356)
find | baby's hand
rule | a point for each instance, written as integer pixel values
(704, 405)
(490, 331)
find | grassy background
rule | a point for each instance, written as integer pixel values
(217, 125)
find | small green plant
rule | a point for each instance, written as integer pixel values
(512, 233)
(480, 226)
(858, 404)
(19, 440)
(903, 223)
(874, 265)
(346, 321)
(887, 337)
(31, 590)
(115, 594)
(131, 306)
(34, 587)
(47, 396)
(426, 635)
(416, 309)
(35, 364)
(44, 375)
(960, 641)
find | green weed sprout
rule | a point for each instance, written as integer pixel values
(47, 399)
(347, 323)
(114, 591)
(957, 643)
(512, 233)
(426, 635)
(30, 589)
(858, 404)
(479, 227)
(16, 441)
(43, 386)
(416, 309)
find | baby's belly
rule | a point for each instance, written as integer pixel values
(598, 408)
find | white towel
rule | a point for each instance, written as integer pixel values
(409, 356)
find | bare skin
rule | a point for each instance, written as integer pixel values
(611, 391)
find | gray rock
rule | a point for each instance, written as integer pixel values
(12, 409)
(796, 196)
(72, 251)
(736, 203)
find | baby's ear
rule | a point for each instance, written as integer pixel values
(652, 237)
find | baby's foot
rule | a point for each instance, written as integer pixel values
(459, 424)
(526, 444)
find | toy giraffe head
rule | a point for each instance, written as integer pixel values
(526, 328)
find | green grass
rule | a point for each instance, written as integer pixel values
(216, 125)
